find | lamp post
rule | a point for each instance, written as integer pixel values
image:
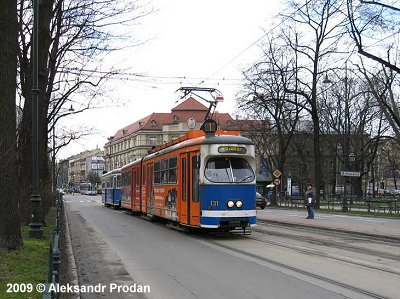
(345, 205)
(346, 137)
(35, 227)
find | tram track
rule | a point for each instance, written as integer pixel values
(332, 231)
(333, 244)
(346, 250)
(326, 255)
(281, 265)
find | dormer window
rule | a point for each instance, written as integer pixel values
(175, 119)
(191, 123)
(229, 123)
(153, 123)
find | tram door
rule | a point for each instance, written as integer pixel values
(190, 204)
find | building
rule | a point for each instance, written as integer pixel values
(135, 140)
(84, 167)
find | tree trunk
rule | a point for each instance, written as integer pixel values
(10, 225)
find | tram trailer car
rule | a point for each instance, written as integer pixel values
(205, 179)
(111, 188)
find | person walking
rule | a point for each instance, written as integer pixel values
(309, 200)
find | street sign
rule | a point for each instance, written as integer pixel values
(277, 173)
(277, 182)
(350, 173)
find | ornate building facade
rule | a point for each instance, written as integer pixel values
(77, 169)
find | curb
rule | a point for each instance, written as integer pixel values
(70, 257)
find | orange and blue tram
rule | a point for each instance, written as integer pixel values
(205, 179)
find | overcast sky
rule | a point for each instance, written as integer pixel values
(188, 42)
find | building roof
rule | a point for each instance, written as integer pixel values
(190, 108)
(190, 105)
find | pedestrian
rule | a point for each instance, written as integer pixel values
(309, 200)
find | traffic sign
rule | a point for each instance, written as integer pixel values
(350, 173)
(277, 173)
(277, 182)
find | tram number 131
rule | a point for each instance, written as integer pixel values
(214, 203)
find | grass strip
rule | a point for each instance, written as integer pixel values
(23, 269)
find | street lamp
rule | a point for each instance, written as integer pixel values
(346, 136)
(35, 227)
(326, 80)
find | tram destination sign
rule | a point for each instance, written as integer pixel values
(232, 149)
(350, 173)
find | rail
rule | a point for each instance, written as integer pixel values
(391, 205)
(378, 204)
(55, 253)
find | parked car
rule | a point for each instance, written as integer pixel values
(261, 201)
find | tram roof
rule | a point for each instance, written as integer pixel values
(114, 171)
(193, 137)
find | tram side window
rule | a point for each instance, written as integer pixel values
(126, 179)
(157, 173)
(172, 169)
(109, 182)
(144, 176)
(118, 185)
(164, 171)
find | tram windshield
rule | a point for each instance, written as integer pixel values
(229, 170)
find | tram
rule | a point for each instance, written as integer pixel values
(205, 179)
(87, 189)
(111, 188)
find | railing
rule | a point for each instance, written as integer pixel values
(55, 253)
(378, 204)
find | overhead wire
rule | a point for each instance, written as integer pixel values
(251, 45)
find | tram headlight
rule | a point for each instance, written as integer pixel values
(239, 204)
(230, 204)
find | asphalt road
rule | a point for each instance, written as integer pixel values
(332, 256)
(111, 246)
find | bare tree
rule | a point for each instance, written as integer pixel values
(313, 31)
(74, 38)
(383, 84)
(10, 225)
(264, 97)
(375, 20)
(352, 122)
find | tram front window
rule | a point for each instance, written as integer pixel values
(229, 170)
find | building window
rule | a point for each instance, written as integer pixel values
(175, 119)
(191, 123)
(153, 123)
(153, 140)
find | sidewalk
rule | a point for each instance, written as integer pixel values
(375, 226)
